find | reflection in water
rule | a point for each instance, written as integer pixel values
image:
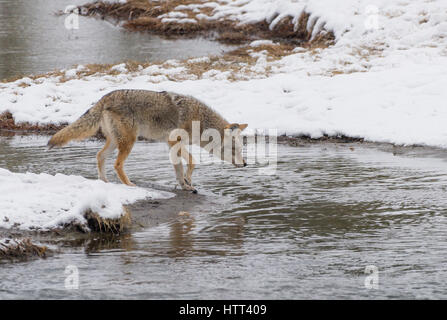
(182, 239)
(306, 232)
(225, 238)
(101, 243)
(34, 40)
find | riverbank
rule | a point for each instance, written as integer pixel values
(361, 105)
(19, 244)
(191, 18)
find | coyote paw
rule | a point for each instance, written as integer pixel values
(188, 187)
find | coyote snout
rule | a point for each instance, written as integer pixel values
(125, 115)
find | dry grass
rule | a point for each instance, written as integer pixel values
(8, 126)
(88, 70)
(7, 123)
(115, 226)
(238, 62)
(20, 249)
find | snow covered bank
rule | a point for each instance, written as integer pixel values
(383, 79)
(404, 21)
(227, 21)
(402, 105)
(41, 201)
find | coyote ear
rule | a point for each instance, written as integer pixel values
(232, 126)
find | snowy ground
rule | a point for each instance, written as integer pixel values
(42, 201)
(382, 80)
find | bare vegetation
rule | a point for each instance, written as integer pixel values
(104, 225)
(20, 249)
(7, 123)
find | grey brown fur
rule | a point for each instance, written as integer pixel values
(125, 115)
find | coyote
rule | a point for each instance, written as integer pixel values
(125, 115)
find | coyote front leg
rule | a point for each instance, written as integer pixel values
(178, 167)
(124, 148)
(190, 165)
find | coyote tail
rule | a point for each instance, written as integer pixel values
(86, 126)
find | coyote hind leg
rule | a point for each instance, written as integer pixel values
(124, 147)
(102, 156)
(190, 165)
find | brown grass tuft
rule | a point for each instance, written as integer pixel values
(20, 249)
(232, 37)
(7, 123)
(115, 226)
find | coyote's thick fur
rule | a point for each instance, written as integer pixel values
(125, 115)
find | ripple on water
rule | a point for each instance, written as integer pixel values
(308, 231)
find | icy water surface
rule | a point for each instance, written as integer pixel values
(34, 40)
(308, 231)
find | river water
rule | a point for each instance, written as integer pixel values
(34, 40)
(307, 231)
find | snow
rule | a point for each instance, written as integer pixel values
(185, 20)
(119, 67)
(383, 79)
(200, 59)
(43, 201)
(174, 14)
(258, 43)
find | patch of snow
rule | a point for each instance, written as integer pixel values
(120, 68)
(383, 79)
(200, 59)
(43, 201)
(70, 73)
(174, 14)
(201, 16)
(183, 20)
(216, 75)
(258, 43)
